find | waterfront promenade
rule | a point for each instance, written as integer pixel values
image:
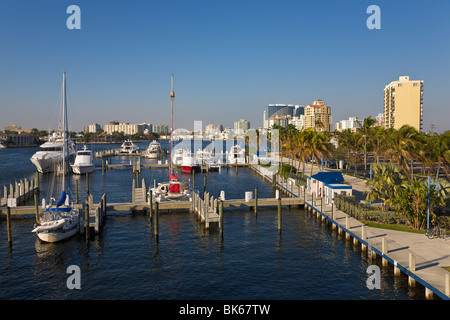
(420, 258)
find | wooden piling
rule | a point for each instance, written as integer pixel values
(76, 191)
(36, 207)
(384, 250)
(221, 217)
(150, 203)
(87, 184)
(279, 214)
(256, 200)
(157, 220)
(86, 218)
(8, 225)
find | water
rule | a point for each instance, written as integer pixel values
(307, 261)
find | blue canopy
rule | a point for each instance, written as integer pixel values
(328, 177)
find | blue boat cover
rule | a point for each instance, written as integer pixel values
(66, 209)
(62, 199)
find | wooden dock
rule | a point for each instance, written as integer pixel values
(19, 191)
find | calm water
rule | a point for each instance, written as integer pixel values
(253, 261)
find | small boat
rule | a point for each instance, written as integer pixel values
(171, 190)
(2, 146)
(177, 158)
(84, 162)
(174, 189)
(189, 163)
(153, 151)
(205, 159)
(59, 222)
(236, 155)
(129, 147)
(51, 153)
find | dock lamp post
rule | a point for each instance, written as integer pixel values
(428, 209)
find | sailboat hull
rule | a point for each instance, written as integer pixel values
(56, 236)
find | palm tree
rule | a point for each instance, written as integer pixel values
(385, 184)
(379, 141)
(442, 150)
(320, 147)
(303, 145)
(401, 146)
(366, 131)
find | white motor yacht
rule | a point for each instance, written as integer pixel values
(84, 162)
(153, 151)
(51, 154)
(177, 157)
(129, 147)
(236, 155)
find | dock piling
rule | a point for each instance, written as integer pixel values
(8, 225)
(279, 214)
(157, 220)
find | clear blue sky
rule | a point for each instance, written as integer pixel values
(229, 59)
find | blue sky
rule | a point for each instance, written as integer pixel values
(229, 59)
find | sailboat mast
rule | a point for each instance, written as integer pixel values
(172, 97)
(66, 136)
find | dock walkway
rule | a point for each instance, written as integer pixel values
(418, 257)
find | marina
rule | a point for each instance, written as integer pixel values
(213, 208)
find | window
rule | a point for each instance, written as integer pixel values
(415, 84)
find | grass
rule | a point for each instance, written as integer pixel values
(397, 227)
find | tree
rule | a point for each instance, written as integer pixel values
(401, 146)
(411, 200)
(366, 131)
(319, 147)
(303, 145)
(386, 182)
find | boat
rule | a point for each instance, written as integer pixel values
(2, 146)
(128, 147)
(189, 163)
(177, 158)
(205, 159)
(153, 151)
(50, 154)
(174, 189)
(84, 162)
(236, 155)
(60, 221)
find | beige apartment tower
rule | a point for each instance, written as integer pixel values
(403, 103)
(318, 116)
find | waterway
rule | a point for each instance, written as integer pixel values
(306, 261)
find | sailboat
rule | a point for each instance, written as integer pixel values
(174, 189)
(60, 221)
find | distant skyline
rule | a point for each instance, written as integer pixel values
(230, 59)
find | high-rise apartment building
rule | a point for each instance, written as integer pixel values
(318, 116)
(403, 103)
(241, 126)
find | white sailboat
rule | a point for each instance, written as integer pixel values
(174, 189)
(59, 222)
(84, 162)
